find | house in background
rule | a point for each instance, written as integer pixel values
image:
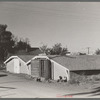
(34, 51)
(43, 66)
(30, 51)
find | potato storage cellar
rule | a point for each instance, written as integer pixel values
(46, 68)
(41, 68)
(15, 64)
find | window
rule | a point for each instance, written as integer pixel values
(20, 64)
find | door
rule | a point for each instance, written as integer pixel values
(45, 69)
(16, 66)
(41, 67)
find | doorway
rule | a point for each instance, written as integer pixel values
(45, 69)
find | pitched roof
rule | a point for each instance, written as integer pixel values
(31, 51)
(20, 52)
(82, 62)
(35, 51)
(26, 57)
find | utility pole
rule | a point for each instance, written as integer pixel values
(88, 48)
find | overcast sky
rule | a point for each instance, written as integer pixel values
(75, 24)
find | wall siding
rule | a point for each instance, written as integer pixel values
(28, 69)
(23, 68)
(16, 66)
(59, 70)
(10, 66)
(35, 68)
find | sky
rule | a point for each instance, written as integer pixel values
(73, 24)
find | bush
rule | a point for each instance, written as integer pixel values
(97, 52)
(77, 79)
(74, 81)
(95, 77)
(2, 65)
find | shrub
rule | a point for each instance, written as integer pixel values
(95, 77)
(77, 79)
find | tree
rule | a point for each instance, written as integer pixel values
(10, 44)
(23, 44)
(43, 48)
(56, 49)
(2, 28)
(6, 41)
(48, 51)
(97, 52)
(64, 51)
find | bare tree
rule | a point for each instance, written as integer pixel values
(43, 48)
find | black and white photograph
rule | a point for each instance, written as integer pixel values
(49, 49)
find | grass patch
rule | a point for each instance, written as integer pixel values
(78, 79)
(2, 66)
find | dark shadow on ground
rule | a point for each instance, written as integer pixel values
(12, 82)
(3, 75)
(7, 95)
(94, 92)
(7, 87)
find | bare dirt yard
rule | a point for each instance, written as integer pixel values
(19, 86)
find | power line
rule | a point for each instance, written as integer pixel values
(88, 48)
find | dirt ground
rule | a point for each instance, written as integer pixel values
(18, 86)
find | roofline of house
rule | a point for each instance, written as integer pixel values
(46, 58)
(13, 57)
(26, 63)
(40, 49)
(36, 58)
(60, 64)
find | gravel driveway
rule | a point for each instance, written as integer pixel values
(17, 86)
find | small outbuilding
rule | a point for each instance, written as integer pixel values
(44, 67)
(16, 64)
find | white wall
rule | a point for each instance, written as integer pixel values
(23, 67)
(16, 65)
(59, 70)
(28, 69)
(10, 66)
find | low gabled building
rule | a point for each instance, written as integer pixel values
(45, 67)
(16, 64)
(80, 64)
